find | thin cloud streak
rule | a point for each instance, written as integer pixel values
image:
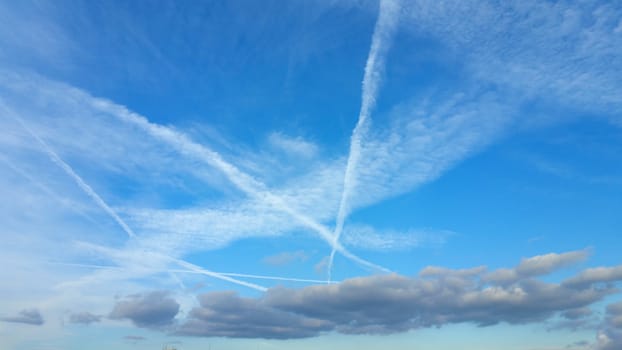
(385, 27)
(188, 271)
(200, 270)
(153, 258)
(69, 171)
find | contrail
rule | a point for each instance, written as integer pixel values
(121, 256)
(69, 171)
(200, 270)
(241, 180)
(386, 24)
(275, 278)
(230, 274)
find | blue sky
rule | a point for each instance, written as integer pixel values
(295, 175)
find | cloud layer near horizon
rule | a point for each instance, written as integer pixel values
(393, 303)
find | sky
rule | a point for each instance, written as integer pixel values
(238, 174)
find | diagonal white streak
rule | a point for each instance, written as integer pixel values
(152, 258)
(69, 171)
(230, 274)
(275, 278)
(200, 270)
(386, 24)
(241, 180)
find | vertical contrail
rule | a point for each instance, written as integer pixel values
(69, 171)
(241, 180)
(388, 15)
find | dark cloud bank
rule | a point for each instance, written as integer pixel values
(30, 316)
(386, 304)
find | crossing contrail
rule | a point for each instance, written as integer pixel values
(241, 180)
(386, 24)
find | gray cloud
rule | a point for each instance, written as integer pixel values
(150, 310)
(29, 316)
(84, 318)
(385, 304)
(285, 258)
(576, 319)
(610, 336)
(537, 266)
(134, 338)
(225, 314)
(576, 314)
(596, 275)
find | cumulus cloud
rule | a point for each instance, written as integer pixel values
(225, 314)
(84, 318)
(29, 316)
(385, 304)
(150, 310)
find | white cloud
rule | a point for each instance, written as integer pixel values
(422, 142)
(293, 146)
(368, 238)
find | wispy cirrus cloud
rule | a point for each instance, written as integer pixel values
(424, 140)
(546, 51)
(369, 238)
(293, 146)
